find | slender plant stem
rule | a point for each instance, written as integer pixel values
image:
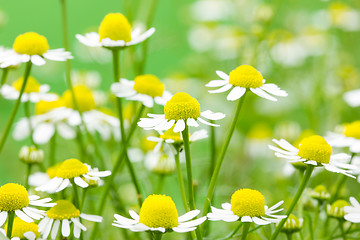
(300, 190)
(221, 157)
(11, 217)
(212, 150)
(28, 172)
(235, 231)
(245, 231)
(76, 194)
(4, 76)
(160, 185)
(157, 235)
(28, 116)
(181, 181)
(341, 225)
(83, 196)
(289, 236)
(16, 107)
(52, 152)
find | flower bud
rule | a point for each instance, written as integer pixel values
(31, 155)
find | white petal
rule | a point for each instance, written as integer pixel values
(246, 219)
(212, 115)
(63, 185)
(55, 229)
(263, 94)
(216, 83)
(92, 218)
(80, 182)
(3, 217)
(222, 89)
(23, 216)
(29, 236)
(273, 89)
(179, 126)
(259, 221)
(43, 133)
(65, 228)
(189, 215)
(222, 75)
(37, 60)
(236, 93)
(48, 228)
(134, 215)
(191, 122)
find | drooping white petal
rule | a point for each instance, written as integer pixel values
(23, 216)
(236, 93)
(212, 115)
(246, 219)
(179, 126)
(263, 94)
(222, 89)
(260, 221)
(189, 215)
(43, 133)
(3, 217)
(37, 60)
(222, 75)
(55, 229)
(65, 228)
(92, 218)
(216, 83)
(80, 182)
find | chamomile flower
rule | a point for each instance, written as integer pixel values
(242, 79)
(313, 150)
(72, 170)
(23, 230)
(63, 214)
(159, 213)
(181, 109)
(39, 178)
(352, 98)
(352, 213)
(337, 209)
(34, 91)
(146, 89)
(349, 138)
(247, 205)
(160, 162)
(31, 155)
(15, 198)
(4, 52)
(115, 31)
(33, 47)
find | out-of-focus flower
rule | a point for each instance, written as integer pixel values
(352, 98)
(159, 213)
(344, 17)
(31, 155)
(320, 193)
(247, 205)
(336, 210)
(292, 224)
(242, 79)
(212, 10)
(350, 137)
(64, 213)
(352, 213)
(160, 162)
(114, 31)
(23, 230)
(180, 110)
(146, 89)
(257, 139)
(33, 47)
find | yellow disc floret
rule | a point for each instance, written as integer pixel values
(170, 134)
(149, 84)
(159, 211)
(51, 171)
(246, 76)
(116, 27)
(353, 130)
(315, 148)
(182, 106)
(13, 197)
(84, 98)
(248, 202)
(63, 209)
(20, 227)
(71, 168)
(42, 106)
(31, 85)
(31, 43)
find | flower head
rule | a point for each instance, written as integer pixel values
(292, 224)
(23, 230)
(83, 96)
(31, 43)
(31, 155)
(348, 136)
(320, 193)
(336, 210)
(248, 202)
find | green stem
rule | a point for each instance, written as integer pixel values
(221, 157)
(160, 183)
(28, 172)
(83, 196)
(4, 76)
(289, 236)
(76, 194)
(235, 231)
(341, 225)
(300, 190)
(52, 151)
(16, 107)
(245, 230)
(157, 235)
(181, 181)
(28, 116)
(11, 217)
(212, 150)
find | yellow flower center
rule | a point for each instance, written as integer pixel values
(31, 86)
(182, 106)
(116, 27)
(353, 130)
(320, 192)
(315, 148)
(248, 202)
(63, 209)
(20, 227)
(246, 76)
(51, 171)
(31, 43)
(42, 107)
(337, 209)
(159, 211)
(83, 96)
(13, 197)
(149, 84)
(292, 224)
(170, 134)
(147, 145)
(71, 168)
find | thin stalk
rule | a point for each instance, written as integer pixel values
(160, 185)
(245, 230)
(181, 181)
(157, 235)
(28, 116)
(16, 107)
(76, 194)
(212, 150)
(11, 217)
(289, 236)
(28, 172)
(52, 152)
(4, 76)
(221, 157)
(83, 196)
(300, 190)
(234, 232)
(341, 225)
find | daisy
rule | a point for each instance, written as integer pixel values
(352, 98)
(353, 211)
(15, 199)
(72, 171)
(158, 213)
(349, 138)
(161, 162)
(23, 230)
(115, 31)
(180, 110)
(63, 214)
(247, 205)
(34, 92)
(314, 150)
(146, 89)
(242, 79)
(32, 47)
(337, 209)
(4, 52)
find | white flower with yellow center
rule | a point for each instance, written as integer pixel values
(23, 230)
(159, 213)
(314, 150)
(146, 89)
(34, 91)
(349, 138)
(32, 47)
(14, 198)
(115, 31)
(247, 205)
(337, 209)
(160, 162)
(352, 98)
(72, 170)
(242, 79)
(39, 178)
(181, 109)
(61, 216)
(4, 52)
(353, 211)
